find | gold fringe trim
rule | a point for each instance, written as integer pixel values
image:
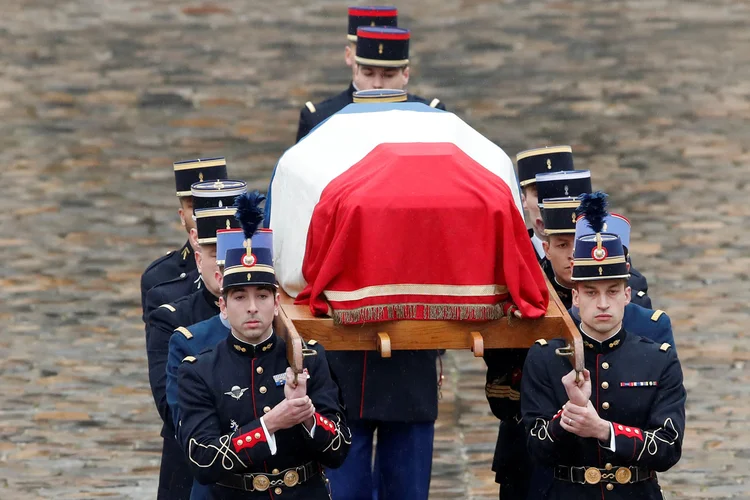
(434, 312)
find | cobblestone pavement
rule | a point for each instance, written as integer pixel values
(98, 98)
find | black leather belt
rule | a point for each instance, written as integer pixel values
(610, 474)
(261, 482)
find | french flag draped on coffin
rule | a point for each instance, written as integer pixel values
(400, 211)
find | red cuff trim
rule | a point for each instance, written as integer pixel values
(557, 415)
(325, 423)
(249, 439)
(631, 432)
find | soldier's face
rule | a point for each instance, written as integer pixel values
(602, 305)
(531, 206)
(206, 262)
(559, 251)
(250, 311)
(186, 213)
(372, 77)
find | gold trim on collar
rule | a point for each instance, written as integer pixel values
(199, 164)
(543, 151)
(592, 262)
(258, 268)
(381, 63)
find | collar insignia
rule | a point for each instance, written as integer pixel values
(614, 344)
(240, 348)
(267, 347)
(236, 392)
(185, 253)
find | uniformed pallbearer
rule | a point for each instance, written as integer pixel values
(312, 114)
(174, 478)
(248, 430)
(175, 274)
(381, 62)
(607, 435)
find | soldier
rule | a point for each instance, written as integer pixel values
(395, 397)
(195, 338)
(381, 62)
(249, 428)
(174, 478)
(312, 114)
(176, 270)
(530, 163)
(611, 442)
(511, 464)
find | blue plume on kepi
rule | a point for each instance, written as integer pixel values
(594, 207)
(249, 212)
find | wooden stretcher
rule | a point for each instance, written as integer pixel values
(295, 323)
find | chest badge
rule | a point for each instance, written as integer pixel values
(236, 392)
(279, 379)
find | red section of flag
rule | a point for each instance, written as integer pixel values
(419, 214)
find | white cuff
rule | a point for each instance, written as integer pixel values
(311, 431)
(270, 438)
(612, 441)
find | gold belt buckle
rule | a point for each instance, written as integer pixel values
(593, 475)
(261, 482)
(623, 475)
(291, 478)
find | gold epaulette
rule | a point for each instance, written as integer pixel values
(434, 103)
(184, 331)
(168, 307)
(541, 342)
(665, 346)
(189, 359)
(657, 314)
(310, 106)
